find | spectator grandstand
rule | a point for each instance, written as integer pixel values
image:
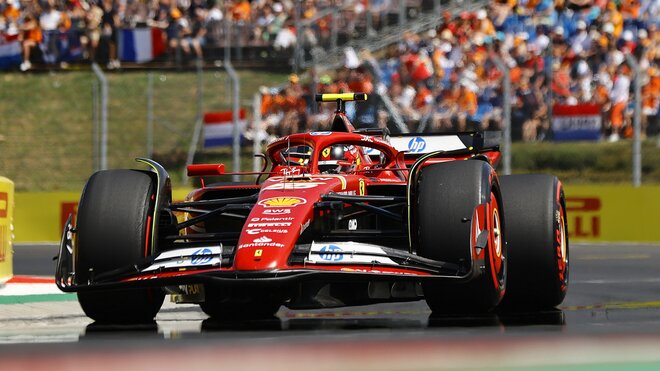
(557, 53)
(561, 52)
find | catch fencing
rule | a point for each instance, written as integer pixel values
(54, 132)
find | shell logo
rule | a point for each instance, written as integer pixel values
(282, 202)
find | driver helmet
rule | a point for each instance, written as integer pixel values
(330, 157)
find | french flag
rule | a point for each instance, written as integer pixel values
(218, 128)
(140, 44)
(10, 51)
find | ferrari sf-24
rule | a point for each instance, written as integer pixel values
(335, 218)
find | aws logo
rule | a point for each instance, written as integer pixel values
(282, 202)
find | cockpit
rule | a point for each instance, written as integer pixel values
(331, 153)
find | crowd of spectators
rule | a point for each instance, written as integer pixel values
(556, 51)
(565, 52)
(62, 31)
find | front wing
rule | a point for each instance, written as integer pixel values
(212, 265)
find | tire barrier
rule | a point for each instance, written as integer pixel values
(6, 228)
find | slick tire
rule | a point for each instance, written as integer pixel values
(112, 230)
(537, 238)
(447, 196)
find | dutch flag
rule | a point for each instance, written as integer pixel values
(140, 44)
(218, 128)
(10, 51)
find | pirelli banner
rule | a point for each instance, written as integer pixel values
(579, 122)
(40, 216)
(613, 213)
(608, 213)
(6, 228)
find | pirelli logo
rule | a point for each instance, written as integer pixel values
(585, 215)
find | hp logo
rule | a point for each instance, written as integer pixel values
(201, 256)
(331, 253)
(416, 145)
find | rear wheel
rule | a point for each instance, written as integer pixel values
(113, 228)
(537, 236)
(456, 202)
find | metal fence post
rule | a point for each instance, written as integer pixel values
(150, 115)
(197, 131)
(370, 22)
(298, 46)
(506, 115)
(402, 12)
(333, 29)
(95, 125)
(227, 51)
(257, 135)
(398, 120)
(103, 150)
(637, 123)
(236, 132)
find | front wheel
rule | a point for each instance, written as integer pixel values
(457, 202)
(113, 227)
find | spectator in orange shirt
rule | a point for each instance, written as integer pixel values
(651, 102)
(31, 37)
(241, 11)
(467, 104)
(11, 14)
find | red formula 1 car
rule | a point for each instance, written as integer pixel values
(339, 217)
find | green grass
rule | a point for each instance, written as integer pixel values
(586, 162)
(46, 132)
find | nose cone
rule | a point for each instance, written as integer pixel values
(271, 231)
(284, 210)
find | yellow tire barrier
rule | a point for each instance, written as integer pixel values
(40, 216)
(596, 213)
(6, 228)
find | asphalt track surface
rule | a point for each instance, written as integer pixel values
(610, 320)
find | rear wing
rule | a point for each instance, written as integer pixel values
(415, 145)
